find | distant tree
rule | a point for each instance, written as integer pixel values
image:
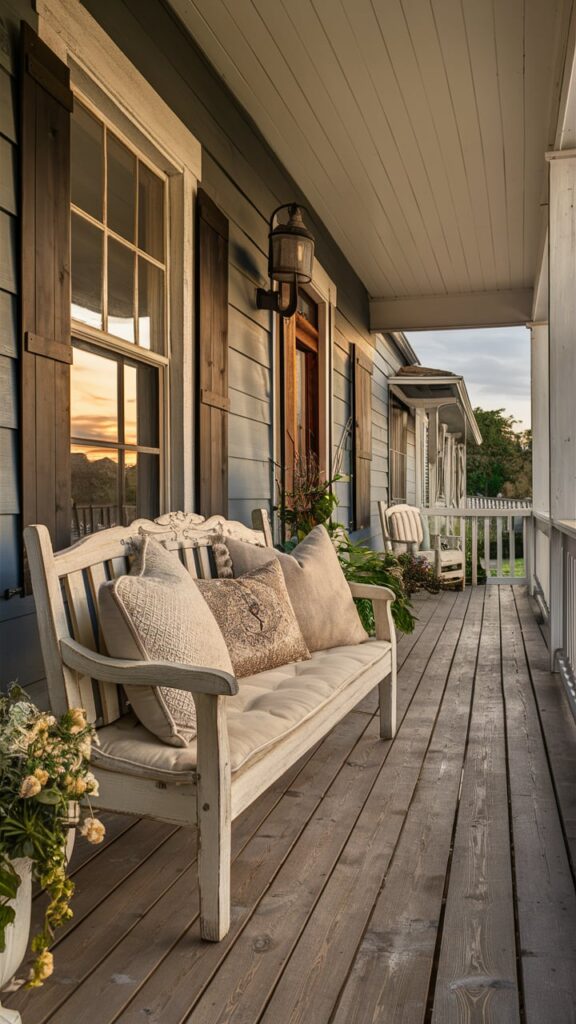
(502, 464)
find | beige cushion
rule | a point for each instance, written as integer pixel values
(267, 707)
(317, 587)
(157, 613)
(256, 619)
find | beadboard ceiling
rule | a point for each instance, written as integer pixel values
(417, 130)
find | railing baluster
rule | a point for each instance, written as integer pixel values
(498, 547)
(474, 546)
(512, 547)
(487, 546)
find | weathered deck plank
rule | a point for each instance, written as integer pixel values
(343, 867)
(390, 976)
(545, 897)
(477, 976)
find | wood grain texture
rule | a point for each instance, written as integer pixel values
(546, 901)
(477, 962)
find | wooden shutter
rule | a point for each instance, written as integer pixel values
(46, 104)
(362, 437)
(212, 357)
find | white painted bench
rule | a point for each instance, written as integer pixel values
(200, 788)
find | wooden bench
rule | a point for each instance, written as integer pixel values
(210, 795)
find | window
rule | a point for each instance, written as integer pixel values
(398, 452)
(119, 327)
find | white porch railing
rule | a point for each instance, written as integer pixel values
(517, 545)
(563, 605)
(486, 503)
(498, 541)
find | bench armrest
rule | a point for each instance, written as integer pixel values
(146, 673)
(371, 591)
(381, 598)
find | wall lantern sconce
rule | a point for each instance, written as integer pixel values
(290, 261)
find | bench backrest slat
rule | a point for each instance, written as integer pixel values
(66, 586)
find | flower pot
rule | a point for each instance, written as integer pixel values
(17, 934)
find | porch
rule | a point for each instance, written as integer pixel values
(425, 879)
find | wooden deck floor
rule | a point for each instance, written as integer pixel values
(426, 880)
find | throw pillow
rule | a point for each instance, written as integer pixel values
(157, 613)
(256, 619)
(316, 586)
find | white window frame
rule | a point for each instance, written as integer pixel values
(104, 77)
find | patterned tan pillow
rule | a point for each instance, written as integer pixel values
(157, 613)
(257, 619)
(316, 585)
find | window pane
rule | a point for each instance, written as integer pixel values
(86, 272)
(150, 306)
(141, 486)
(120, 291)
(93, 396)
(150, 212)
(87, 161)
(121, 188)
(141, 405)
(94, 489)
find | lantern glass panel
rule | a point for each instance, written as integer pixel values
(292, 254)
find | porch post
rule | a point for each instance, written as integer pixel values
(433, 419)
(539, 357)
(562, 371)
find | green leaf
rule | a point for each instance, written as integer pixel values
(9, 882)
(7, 916)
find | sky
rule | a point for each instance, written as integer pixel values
(495, 364)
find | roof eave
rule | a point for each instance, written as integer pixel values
(453, 381)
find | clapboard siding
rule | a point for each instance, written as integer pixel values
(20, 657)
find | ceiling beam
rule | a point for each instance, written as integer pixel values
(463, 309)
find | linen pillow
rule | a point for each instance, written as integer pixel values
(157, 613)
(316, 586)
(257, 619)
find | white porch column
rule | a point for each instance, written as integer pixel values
(433, 439)
(562, 368)
(539, 356)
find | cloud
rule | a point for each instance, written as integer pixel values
(495, 364)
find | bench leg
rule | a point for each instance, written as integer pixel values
(387, 700)
(214, 818)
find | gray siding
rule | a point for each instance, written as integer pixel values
(386, 363)
(20, 658)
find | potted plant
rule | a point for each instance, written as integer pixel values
(44, 770)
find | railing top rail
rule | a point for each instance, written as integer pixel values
(472, 513)
(567, 526)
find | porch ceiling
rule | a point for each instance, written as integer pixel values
(416, 130)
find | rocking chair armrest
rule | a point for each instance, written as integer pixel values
(146, 673)
(455, 540)
(371, 591)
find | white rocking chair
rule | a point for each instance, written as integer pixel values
(403, 531)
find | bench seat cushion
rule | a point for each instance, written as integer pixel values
(268, 707)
